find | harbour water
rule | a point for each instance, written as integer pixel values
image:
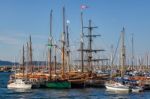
(87, 93)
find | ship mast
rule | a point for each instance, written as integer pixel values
(82, 44)
(30, 55)
(132, 52)
(90, 50)
(55, 60)
(49, 46)
(112, 59)
(63, 43)
(27, 59)
(68, 50)
(147, 63)
(23, 63)
(123, 54)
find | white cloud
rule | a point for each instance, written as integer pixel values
(39, 36)
(8, 40)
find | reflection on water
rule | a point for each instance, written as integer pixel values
(4, 77)
(20, 90)
(117, 92)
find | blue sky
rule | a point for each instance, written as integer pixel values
(21, 18)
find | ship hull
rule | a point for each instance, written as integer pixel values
(117, 88)
(58, 84)
(14, 86)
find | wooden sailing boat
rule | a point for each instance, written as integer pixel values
(87, 77)
(61, 82)
(120, 85)
(92, 80)
(76, 78)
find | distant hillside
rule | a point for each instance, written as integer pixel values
(36, 63)
(6, 63)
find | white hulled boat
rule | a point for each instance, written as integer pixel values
(19, 84)
(137, 89)
(117, 86)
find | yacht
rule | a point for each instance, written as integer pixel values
(19, 84)
(117, 86)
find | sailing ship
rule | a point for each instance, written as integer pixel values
(60, 82)
(120, 85)
(93, 79)
(87, 77)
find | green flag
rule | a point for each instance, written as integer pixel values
(49, 45)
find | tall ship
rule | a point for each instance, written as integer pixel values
(61, 81)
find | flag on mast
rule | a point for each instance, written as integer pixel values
(84, 6)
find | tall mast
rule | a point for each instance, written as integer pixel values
(112, 57)
(90, 35)
(132, 51)
(81, 43)
(90, 44)
(50, 45)
(123, 54)
(55, 60)
(68, 50)
(30, 53)
(63, 43)
(23, 63)
(112, 60)
(147, 63)
(27, 59)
